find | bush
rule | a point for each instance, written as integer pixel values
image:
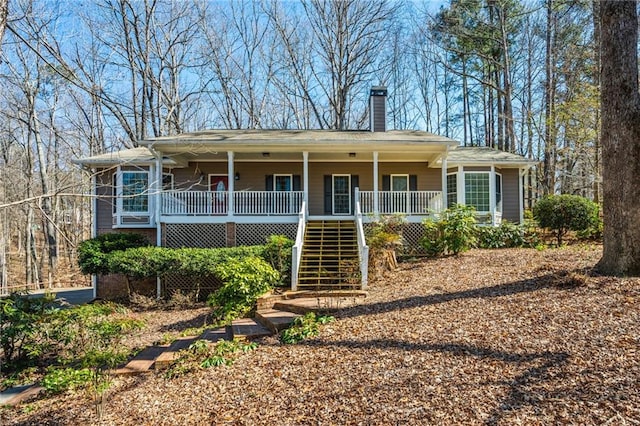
(507, 235)
(244, 281)
(563, 213)
(454, 232)
(21, 319)
(93, 254)
(277, 252)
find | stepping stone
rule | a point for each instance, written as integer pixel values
(215, 335)
(247, 328)
(276, 320)
(170, 354)
(16, 395)
(142, 362)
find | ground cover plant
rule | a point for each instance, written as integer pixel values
(511, 336)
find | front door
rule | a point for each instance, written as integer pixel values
(219, 184)
(341, 190)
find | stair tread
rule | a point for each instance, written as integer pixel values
(248, 328)
(142, 362)
(276, 320)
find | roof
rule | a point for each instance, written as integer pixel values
(300, 140)
(329, 145)
(140, 155)
(484, 155)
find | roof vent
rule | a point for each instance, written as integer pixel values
(378, 109)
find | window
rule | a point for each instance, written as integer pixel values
(282, 183)
(476, 191)
(134, 192)
(167, 181)
(452, 190)
(399, 182)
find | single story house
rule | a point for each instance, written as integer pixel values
(219, 188)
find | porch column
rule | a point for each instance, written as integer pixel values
(231, 179)
(492, 195)
(444, 183)
(376, 206)
(305, 180)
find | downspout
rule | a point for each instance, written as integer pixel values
(521, 175)
(460, 184)
(94, 223)
(157, 197)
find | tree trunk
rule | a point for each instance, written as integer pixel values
(620, 138)
(549, 163)
(4, 10)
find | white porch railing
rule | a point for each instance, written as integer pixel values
(363, 248)
(296, 250)
(407, 202)
(204, 203)
(267, 202)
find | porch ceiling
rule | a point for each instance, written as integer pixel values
(423, 156)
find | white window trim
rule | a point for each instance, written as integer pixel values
(499, 204)
(120, 192)
(172, 185)
(333, 195)
(489, 190)
(454, 191)
(398, 176)
(119, 213)
(290, 176)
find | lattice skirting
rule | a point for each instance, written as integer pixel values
(249, 234)
(412, 233)
(186, 285)
(202, 235)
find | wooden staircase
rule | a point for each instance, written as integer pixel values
(329, 258)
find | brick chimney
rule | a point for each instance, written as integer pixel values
(378, 109)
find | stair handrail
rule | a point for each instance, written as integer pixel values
(296, 250)
(363, 248)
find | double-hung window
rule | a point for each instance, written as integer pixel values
(135, 192)
(476, 191)
(452, 190)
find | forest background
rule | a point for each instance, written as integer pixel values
(80, 78)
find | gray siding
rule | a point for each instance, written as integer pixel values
(105, 203)
(510, 194)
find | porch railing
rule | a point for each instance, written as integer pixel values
(296, 250)
(363, 248)
(203, 203)
(406, 202)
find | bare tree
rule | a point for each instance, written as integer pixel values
(4, 12)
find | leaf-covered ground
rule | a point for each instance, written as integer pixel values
(488, 337)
